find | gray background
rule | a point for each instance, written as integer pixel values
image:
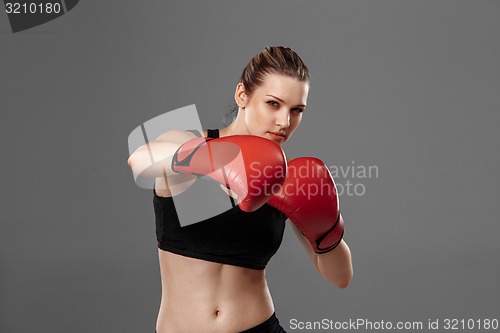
(411, 87)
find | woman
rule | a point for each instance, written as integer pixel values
(208, 284)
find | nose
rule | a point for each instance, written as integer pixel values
(283, 118)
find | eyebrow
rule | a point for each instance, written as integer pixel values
(282, 101)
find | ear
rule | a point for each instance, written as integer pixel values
(240, 95)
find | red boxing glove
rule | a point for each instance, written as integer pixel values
(309, 199)
(248, 165)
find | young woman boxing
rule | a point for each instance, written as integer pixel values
(213, 270)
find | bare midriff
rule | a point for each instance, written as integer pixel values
(203, 296)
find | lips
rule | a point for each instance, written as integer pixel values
(278, 134)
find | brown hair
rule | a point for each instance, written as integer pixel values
(273, 60)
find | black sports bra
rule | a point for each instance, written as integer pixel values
(232, 237)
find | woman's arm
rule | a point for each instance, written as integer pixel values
(308, 197)
(335, 266)
(154, 159)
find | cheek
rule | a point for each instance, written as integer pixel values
(257, 117)
(251, 121)
(251, 117)
(295, 122)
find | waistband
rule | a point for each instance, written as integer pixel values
(271, 325)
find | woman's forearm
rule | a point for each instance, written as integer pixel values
(153, 159)
(335, 266)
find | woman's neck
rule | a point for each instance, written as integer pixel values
(232, 129)
(237, 127)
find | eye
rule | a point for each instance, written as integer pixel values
(298, 110)
(272, 103)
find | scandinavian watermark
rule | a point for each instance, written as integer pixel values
(310, 181)
(351, 179)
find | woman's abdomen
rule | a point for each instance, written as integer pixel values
(202, 296)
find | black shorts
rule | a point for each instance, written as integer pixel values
(272, 325)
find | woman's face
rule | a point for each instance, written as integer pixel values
(275, 108)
